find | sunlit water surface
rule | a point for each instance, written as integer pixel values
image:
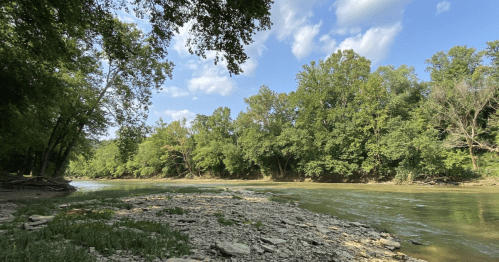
(453, 223)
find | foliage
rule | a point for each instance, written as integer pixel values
(343, 121)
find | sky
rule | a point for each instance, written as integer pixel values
(387, 32)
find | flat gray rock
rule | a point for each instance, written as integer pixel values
(273, 241)
(233, 249)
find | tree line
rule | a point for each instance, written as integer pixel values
(342, 121)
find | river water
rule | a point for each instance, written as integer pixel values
(453, 223)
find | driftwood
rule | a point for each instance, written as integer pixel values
(37, 182)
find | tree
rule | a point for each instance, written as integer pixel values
(179, 146)
(41, 40)
(268, 113)
(461, 106)
(326, 104)
(212, 136)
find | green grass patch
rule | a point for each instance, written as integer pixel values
(219, 214)
(172, 211)
(30, 246)
(103, 214)
(225, 222)
(149, 239)
(236, 197)
(258, 224)
(67, 237)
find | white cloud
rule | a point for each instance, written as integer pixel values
(328, 44)
(174, 91)
(374, 43)
(210, 81)
(291, 18)
(195, 98)
(180, 114)
(180, 39)
(289, 15)
(304, 37)
(443, 6)
(371, 12)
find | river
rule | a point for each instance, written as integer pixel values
(453, 223)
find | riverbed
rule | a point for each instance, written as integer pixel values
(453, 223)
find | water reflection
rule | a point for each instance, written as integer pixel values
(454, 224)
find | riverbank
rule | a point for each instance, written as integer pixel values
(490, 181)
(236, 225)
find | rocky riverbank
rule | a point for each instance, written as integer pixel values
(242, 225)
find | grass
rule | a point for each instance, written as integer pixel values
(67, 237)
(258, 224)
(222, 220)
(32, 246)
(219, 214)
(225, 222)
(172, 211)
(236, 197)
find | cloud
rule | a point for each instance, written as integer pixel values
(180, 114)
(288, 16)
(174, 91)
(328, 44)
(443, 6)
(180, 39)
(369, 12)
(374, 43)
(210, 81)
(303, 40)
(292, 21)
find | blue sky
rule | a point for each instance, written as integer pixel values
(388, 32)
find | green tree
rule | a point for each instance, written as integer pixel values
(212, 136)
(326, 104)
(268, 113)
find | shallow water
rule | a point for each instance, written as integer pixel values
(453, 223)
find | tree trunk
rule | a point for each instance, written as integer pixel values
(473, 158)
(280, 168)
(48, 151)
(60, 165)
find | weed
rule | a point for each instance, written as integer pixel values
(219, 214)
(225, 222)
(259, 224)
(172, 211)
(103, 214)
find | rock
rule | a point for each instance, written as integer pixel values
(181, 260)
(287, 221)
(233, 249)
(389, 243)
(273, 241)
(258, 250)
(7, 218)
(310, 240)
(40, 218)
(187, 220)
(269, 249)
(322, 229)
(284, 232)
(415, 242)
